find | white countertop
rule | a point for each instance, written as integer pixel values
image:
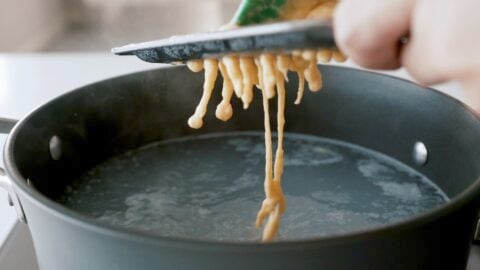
(29, 80)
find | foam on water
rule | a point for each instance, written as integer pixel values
(211, 187)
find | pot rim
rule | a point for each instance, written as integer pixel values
(20, 184)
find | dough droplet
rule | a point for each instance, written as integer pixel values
(224, 112)
(195, 65)
(195, 122)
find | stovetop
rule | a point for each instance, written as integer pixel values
(20, 242)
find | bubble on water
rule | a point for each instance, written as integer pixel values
(203, 211)
(331, 197)
(401, 191)
(372, 215)
(241, 144)
(310, 155)
(246, 180)
(372, 169)
(336, 217)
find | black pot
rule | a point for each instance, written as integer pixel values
(61, 140)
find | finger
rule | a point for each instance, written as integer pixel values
(443, 44)
(369, 33)
(418, 56)
(471, 91)
(417, 60)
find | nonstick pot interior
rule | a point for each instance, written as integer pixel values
(96, 122)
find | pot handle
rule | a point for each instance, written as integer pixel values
(5, 126)
(476, 237)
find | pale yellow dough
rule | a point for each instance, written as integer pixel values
(268, 72)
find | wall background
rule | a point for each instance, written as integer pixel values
(98, 25)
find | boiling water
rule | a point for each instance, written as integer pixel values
(211, 187)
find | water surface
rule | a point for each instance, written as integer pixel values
(211, 187)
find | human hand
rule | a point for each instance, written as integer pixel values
(444, 37)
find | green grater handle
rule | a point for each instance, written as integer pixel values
(258, 11)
